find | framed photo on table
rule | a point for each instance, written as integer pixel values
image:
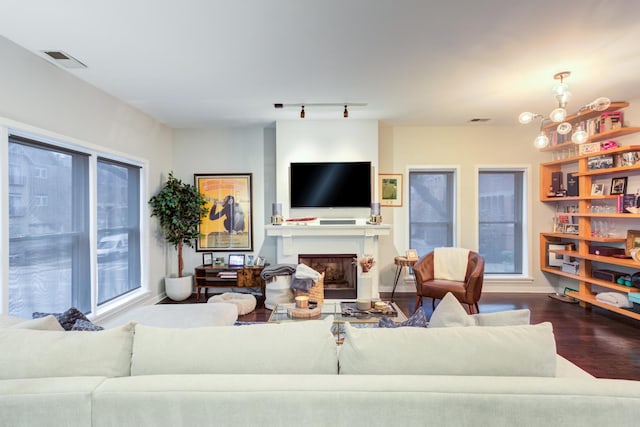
(619, 185)
(227, 226)
(390, 189)
(207, 258)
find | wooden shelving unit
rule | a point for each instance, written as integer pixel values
(583, 217)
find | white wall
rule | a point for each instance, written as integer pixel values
(323, 141)
(38, 96)
(233, 150)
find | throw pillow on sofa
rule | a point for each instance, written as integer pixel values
(449, 312)
(66, 319)
(417, 320)
(520, 350)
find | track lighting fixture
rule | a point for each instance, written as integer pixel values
(345, 112)
(559, 114)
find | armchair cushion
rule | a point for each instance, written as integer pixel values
(450, 263)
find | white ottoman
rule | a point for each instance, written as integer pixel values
(245, 303)
(179, 315)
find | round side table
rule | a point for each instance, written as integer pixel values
(401, 262)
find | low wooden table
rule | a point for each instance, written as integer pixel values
(208, 276)
(401, 262)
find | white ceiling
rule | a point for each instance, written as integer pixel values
(211, 63)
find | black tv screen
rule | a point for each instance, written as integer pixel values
(330, 185)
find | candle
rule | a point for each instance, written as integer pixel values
(302, 301)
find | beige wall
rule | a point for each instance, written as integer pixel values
(39, 97)
(466, 148)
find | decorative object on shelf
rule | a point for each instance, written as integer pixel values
(590, 148)
(597, 189)
(276, 214)
(559, 114)
(573, 188)
(554, 259)
(366, 262)
(630, 158)
(390, 189)
(375, 218)
(609, 145)
(229, 223)
(618, 185)
(604, 161)
(633, 241)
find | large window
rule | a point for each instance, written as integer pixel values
(50, 234)
(431, 209)
(501, 218)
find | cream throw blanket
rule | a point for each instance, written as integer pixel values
(450, 263)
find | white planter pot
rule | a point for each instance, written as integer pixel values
(178, 288)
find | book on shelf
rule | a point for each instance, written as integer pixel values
(228, 275)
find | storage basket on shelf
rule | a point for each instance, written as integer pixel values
(316, 292)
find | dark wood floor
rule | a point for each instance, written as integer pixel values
(602, 343)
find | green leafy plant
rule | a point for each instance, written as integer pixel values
(179, 207)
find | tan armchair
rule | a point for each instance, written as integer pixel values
(467, 292)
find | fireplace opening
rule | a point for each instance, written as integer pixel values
(340, 273)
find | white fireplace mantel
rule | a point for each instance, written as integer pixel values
(315, 238)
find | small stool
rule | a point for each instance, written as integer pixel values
(401, 262)
(246, 303)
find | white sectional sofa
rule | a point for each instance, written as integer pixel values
(293, 374)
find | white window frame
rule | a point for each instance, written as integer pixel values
(527, 227)
(457, 179)
(8, 127)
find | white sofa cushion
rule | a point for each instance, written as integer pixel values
(521, 350)
(178, 315)
(449, 312)
(305, 347)
(36, 354)
(7, 320)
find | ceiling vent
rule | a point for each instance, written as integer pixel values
(64, 59)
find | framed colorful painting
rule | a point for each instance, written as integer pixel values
(228, 225)
(390, 189)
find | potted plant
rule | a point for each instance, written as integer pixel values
(179, 207)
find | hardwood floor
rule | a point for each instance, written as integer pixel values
(602, 343)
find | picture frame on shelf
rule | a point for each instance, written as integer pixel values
(249, 260)
(618, 185)
(555, 259)
(390, 189)
(597, 189)
(259, 262)
(207, 258)
(571, 229)
(228, 225)
(411, 254)
(633, 241)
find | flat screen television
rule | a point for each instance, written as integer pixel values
(330, 185)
